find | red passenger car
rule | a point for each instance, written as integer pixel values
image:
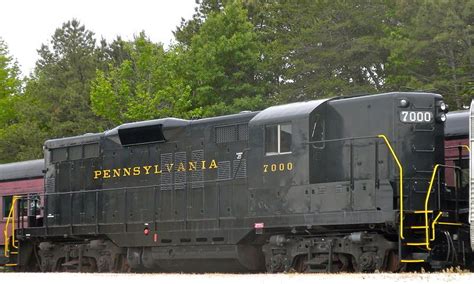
(456, 147)
(23, 179)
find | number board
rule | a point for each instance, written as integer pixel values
(416, 116)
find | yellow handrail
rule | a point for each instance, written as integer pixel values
(467, 147)
(400, 169)
(457, 146)
(427, 199)
(450, 223)
(433, 226)
(411, 260)
(10, 218)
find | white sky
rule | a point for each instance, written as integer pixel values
(26, 24)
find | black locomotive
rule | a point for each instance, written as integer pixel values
(343, 184)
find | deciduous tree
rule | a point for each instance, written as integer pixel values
(10, 85)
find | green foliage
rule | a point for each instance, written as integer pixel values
(144, 86)
(216, 74)
(223, 62)
(236, 55)
(10, 86)
(23, 138)
(325, 48)
(188, 28)
(55, 102)
(431, 48)
(62, 80)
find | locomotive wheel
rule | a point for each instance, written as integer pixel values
(393, 264)
(300, 265)
(121, 264)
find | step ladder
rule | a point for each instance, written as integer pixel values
(422, 234)
(12, 246)
(11, 253)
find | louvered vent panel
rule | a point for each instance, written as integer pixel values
(243, 132)
(240, 168)
(50, 185)
(225, 134)
(166, 176)
(197, 176)
(180, 168)
(223, 170)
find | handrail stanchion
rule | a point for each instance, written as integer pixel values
(400, 169)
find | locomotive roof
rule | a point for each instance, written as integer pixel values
(172, 122)
(165, 123)
(169, 122)
(74, 140)
(22, 170)
(457, 123)
(286, 112)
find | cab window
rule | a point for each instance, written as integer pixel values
(278, 139)
(7, 204)
(464, 165)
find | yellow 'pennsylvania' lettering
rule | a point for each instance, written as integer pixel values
(154, 169)
(117, 172)
(136, 171)
(157, 171)
(147, 169)
(181, 167)
(213, 164)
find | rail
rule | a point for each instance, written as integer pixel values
(427, 200)
(459, 146)
(400, 169)
(10, 219)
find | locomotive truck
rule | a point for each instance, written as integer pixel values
(342, 184)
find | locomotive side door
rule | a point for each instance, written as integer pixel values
(328, 160)
(363, 168)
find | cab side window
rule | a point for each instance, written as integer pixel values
(19, 205)
(318, 132)
(7, 203)
(278, 139)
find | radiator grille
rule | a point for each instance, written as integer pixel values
(232, 133)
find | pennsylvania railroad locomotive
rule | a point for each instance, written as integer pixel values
(343, 184)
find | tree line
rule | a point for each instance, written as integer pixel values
(235, 55)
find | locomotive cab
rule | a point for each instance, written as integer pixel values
(278, 151)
